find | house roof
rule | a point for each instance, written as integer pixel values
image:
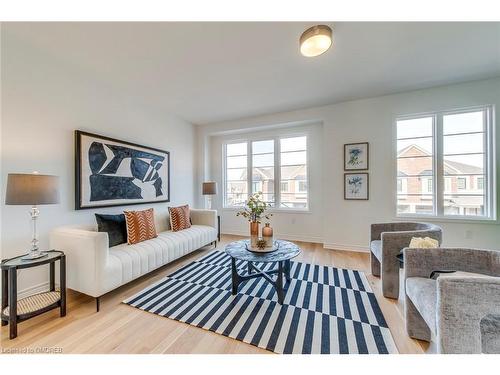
(287, 173)
(462, 168)
(450, 167)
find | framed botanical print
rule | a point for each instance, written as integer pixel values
(356, 186)
(356, 156)
(110, 172)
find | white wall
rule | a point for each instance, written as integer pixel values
(43, 101)
(294, 226)
(346, 223)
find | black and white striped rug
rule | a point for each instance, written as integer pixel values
(326, 309)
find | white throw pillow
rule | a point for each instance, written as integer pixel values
(423, 243)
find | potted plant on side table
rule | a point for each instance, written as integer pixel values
(254, 210)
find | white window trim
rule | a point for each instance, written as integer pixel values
(439, 185)
(277, 170)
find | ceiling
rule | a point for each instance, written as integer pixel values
(210, 72)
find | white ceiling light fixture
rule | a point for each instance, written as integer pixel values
(316, 40)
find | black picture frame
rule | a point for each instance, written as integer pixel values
(367, 176)
(78, 171)
(367, 144)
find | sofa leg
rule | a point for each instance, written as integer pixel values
(415, 324)
(97, 303)
(375, 265)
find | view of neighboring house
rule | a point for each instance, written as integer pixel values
(293, 186)
(463, 184)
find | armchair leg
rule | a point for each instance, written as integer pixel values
(415, 324)
(390, 286)
(97, 304)
(375, 265)
(390, 278)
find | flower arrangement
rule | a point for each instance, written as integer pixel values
(354, 155)
(255, 209)
(355, 184)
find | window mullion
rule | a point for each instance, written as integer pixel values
(277, 172)
(489, 165)
(438, 165)
(249, 168)
(224, 176)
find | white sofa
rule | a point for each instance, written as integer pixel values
(94, 268)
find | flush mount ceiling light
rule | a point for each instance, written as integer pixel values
(315, 40)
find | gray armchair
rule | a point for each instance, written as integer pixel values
(386, 241)
(449, 310)
(490, 334)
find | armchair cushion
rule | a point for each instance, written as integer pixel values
(490, 334)
(423, 293)
(376, 249)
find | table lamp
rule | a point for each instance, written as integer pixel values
(209, 188)
(32, 189)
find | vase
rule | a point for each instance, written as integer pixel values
(254, 233)
(267, 235)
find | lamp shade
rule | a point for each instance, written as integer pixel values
(32, 189)
(209, 188)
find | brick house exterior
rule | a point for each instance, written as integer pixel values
(463, 184)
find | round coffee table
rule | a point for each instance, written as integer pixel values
(238, 251)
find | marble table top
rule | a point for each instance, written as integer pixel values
(286, 250)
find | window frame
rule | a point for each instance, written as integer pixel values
(277, 169)
(439, 191)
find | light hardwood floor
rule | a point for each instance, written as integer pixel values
(119, 328)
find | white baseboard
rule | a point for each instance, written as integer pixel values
(43, 287)
(356, 248)
(289, 237)
(294, 237)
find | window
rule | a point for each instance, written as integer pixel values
(461, 183)
(264, 166)
(236, 174)
(447, 159)
(415, 161)
(480, 183)
(293, 167)
(402, 186)
(263, 169)
(427, 185)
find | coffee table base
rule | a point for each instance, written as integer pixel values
(282, 270)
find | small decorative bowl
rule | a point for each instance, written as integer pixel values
(266, 249)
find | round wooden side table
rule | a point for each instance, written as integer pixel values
(15, 311)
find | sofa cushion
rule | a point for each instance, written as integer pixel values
(140, 226)
(132, 261)
(115, 226)
(423, 293)
(179, 218)
(376, 249)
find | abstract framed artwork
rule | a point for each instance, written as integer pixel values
(356, 156)
(356, 186)
(111, 172)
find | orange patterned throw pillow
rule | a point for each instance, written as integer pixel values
(179, 218)
(140, 226)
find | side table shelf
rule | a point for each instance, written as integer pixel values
(33, 305)
(15, 311)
